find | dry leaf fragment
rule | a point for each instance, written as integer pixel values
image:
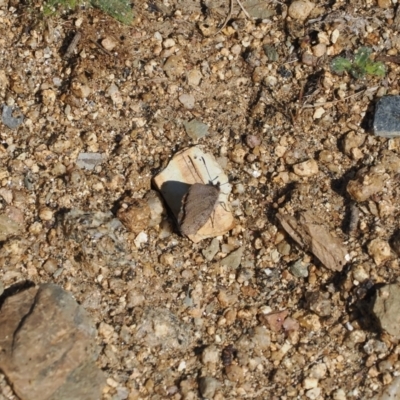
(310, 233)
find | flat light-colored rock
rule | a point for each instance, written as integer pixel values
(194, 166)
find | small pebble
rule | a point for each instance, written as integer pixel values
(379, 250)
(109, 43)
(134, 214)
(167, 43)
(140, 239)
(11, 117)
(174, 67)
(300, 9)
(253, 141)
(306, 168)
(79, 90)
(195, 128)
(319, 50)
(365, 185)
(194, 77)
(89, 160)
(211, 250)
(319, 112)
(187, 101)
(299, 269)
(115, 95)
(386, 309)
(210, 355)
(233, 260)
(46, 214)
(208, 386)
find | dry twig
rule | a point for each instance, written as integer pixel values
(228, 17)
(326, 103)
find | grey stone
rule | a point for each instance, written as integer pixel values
(259, 9)
(386, 308)
(208, 386)
(319, 303)
(10, 120)
(234, 259)
(195, 129)
(159, 327)
(48, 346)
(299, 269)
(211, 250)
(387, 117)
(101, 236)
(89, 161)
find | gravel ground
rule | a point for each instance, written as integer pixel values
(176, 320)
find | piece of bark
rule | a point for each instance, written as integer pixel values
(309, 231)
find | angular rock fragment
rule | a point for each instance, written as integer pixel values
(134, 214)
(386, 121)
(379, 250)
(89, 160)
(195, 129)
(48, 346)
(386, 308)
(366, 183)
(309, 231)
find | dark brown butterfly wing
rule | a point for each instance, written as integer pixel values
(197, 207)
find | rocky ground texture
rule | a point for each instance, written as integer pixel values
(300, 299)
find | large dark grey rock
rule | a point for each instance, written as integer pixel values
(48, 348)
(387, 117)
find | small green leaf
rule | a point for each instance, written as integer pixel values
(357, 72)
(340, 65)
(376, 68)
(362, 56)
(119, 9)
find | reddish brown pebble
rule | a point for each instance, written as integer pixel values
(274, 320)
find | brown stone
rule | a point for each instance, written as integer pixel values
(134, 214)
(48, 348)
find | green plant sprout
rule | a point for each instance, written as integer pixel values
(359, 67)
(121, 10)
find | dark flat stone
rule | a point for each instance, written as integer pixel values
(387, 117)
